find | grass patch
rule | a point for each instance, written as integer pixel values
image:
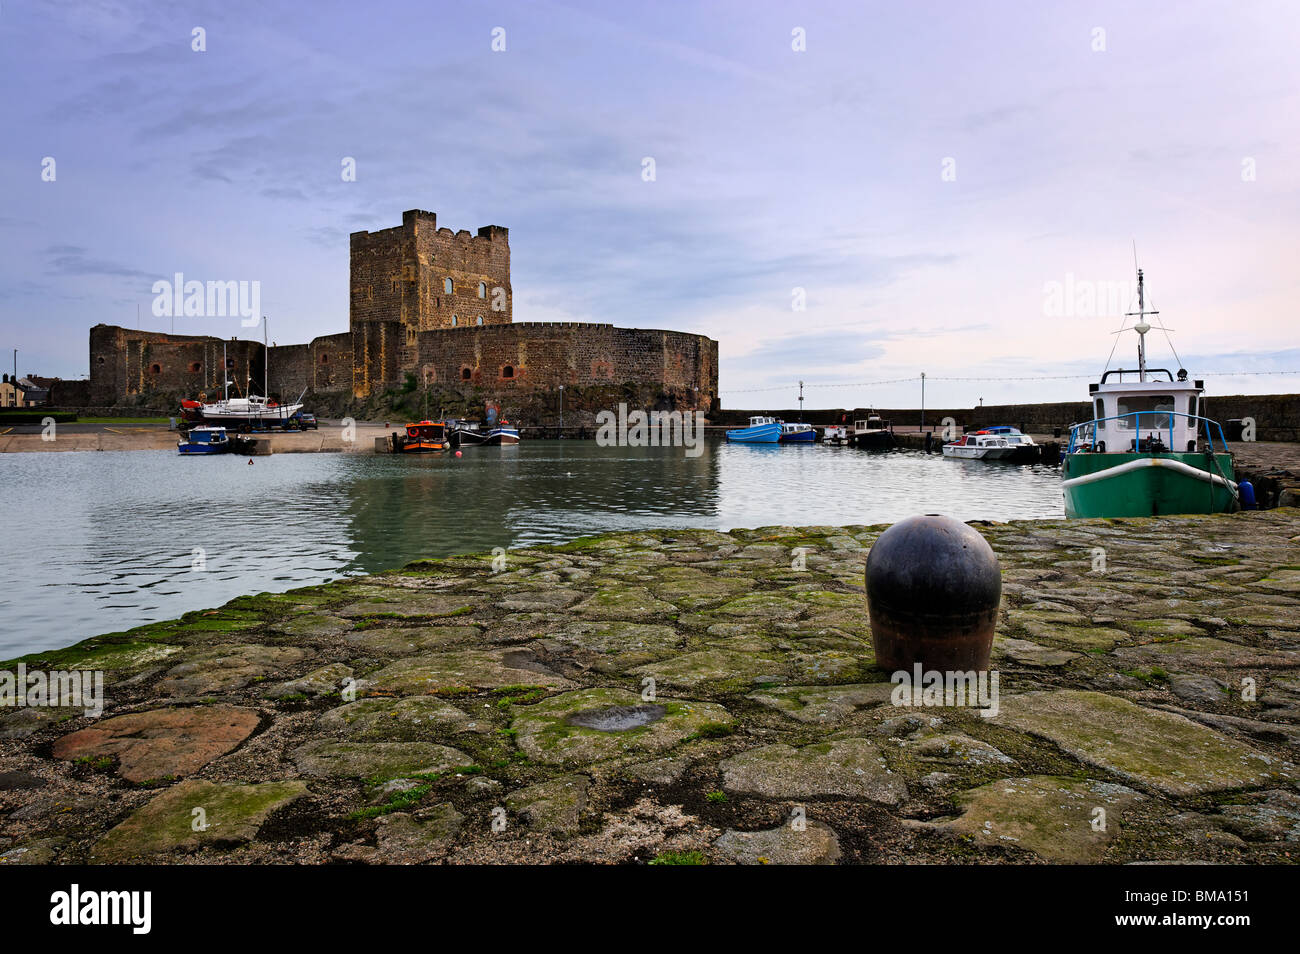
(712, 730)
(1151, 677)
(679, 858)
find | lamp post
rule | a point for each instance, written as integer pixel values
(561, 412)
(922, 400)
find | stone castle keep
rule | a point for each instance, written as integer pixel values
(433, 304)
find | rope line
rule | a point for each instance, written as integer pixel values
(917, 378)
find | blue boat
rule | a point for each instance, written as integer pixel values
(502, 434)
(204, 440)
(761, 430)
(798, 434)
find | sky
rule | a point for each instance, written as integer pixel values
(848, 194)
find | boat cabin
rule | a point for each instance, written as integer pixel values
(872, 423)
(426, 430)
(1137, 416)
(760, 421)
(1013, 435)
(206, 435)
(980, 439)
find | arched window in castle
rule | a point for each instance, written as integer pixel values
(196, 367)
(447, 286)
(508, 372)
(480, 320)
(454, 321)
(482, 289)
(155, 369)
(324, 359)
(466, 374)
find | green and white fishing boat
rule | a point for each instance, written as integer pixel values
(1147, 451)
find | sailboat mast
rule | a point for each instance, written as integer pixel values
(266, 360)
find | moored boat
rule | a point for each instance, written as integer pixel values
(979, 445)
(797, 434)
(761, 430)
(466, 433)
(1147, 451)
(1023, 447)
(204, 440)
(504, 433)
(873, 433)
(423, 436)
(836, 435)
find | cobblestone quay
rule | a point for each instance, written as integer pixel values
(691, 696)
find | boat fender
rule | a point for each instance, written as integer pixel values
(1247, 491)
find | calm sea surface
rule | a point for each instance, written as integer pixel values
(100, 542)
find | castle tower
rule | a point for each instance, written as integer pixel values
(417, 277)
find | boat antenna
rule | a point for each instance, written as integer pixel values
(1141, 326)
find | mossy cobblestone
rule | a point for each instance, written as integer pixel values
(691, 694)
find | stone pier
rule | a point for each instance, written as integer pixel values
(691, 697)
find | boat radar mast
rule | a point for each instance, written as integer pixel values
(1141, 327)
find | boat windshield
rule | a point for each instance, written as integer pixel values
(1156, 410)
(431, 432)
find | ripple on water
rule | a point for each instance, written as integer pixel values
(108, 539)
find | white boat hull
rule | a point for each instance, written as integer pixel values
(977, 453)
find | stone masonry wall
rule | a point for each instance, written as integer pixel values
(128, 363)
(541, 356)
(420, 277)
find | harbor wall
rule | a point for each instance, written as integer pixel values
(1277, 416)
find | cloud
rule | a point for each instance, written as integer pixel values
(75, 261)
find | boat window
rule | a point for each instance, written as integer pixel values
(1098, 414)
(433, 432)
(1161, 406)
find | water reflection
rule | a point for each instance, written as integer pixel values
(105, 541)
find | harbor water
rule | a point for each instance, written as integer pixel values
(101, 542)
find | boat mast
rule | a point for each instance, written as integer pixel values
(266, 360)
(225, 375)
(1141, 327)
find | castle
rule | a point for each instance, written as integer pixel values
(435, 307)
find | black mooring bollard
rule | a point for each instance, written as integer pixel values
(933, 590)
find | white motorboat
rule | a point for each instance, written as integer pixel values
(836, 435)
(979, 446)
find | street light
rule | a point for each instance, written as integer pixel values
(561, 412)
